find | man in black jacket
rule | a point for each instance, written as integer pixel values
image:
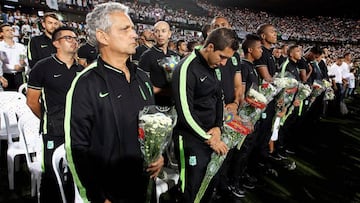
(101, 118)
(198, 101)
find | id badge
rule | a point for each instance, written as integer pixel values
(263, 115)
(50, 144)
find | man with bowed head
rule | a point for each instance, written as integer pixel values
(101, 118)
(199, 104)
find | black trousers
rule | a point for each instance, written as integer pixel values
(265, 126)
(239, 159)
(14, 80)
(197, 155)
(49, 188)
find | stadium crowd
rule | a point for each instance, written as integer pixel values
(255, 43)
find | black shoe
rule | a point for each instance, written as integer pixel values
(272, 172)
(290, 165)
(249, 178)
(248, 185)
(236, 191)
(290, 151)
(274, 156)
(282, 154)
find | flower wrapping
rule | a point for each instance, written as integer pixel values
(304, 91)
(317, 89)
(168, 64)
(234, 133)
(236, 128)
(155, 129)
(288, 88)
(268, 90)
(255, 103)
(329, 91)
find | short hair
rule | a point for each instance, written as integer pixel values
(178, 43)
(205, 29)
(191, 44)
(291, 48)
(250, 40)
(222, 38)
(51, 15)
(98, 18)
(346, 54)
(56, 34)
(316, 50)
(4, 25)
(261, 28)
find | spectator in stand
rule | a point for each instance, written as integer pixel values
(41, 46)
(13, 56)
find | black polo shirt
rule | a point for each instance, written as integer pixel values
(53, 78)
(293, 68)
(88, 52)
(39, 47)
(267, 59)
(149, 62)
(139, 51)
(226, 78)
(249, 75)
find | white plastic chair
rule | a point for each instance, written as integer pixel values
(11, 113)
(29, 130)
(23, 88)
(58, 156)
(162, 184)
(10, 99)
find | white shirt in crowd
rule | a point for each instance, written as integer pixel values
(12, 55)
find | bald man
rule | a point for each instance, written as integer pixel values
(152, 61)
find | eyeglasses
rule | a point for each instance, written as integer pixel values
(69, 38)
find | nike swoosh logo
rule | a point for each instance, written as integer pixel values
(43, 46)
(56, 76)
(102, 95)
(203, 79)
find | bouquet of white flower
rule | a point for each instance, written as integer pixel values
(255, 103)
(317, 89)
(288, 86)
(155, 129)
(303, 92)
(329, 91)
(268, 90)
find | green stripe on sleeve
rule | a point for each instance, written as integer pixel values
(67, 120)
(183, 98)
